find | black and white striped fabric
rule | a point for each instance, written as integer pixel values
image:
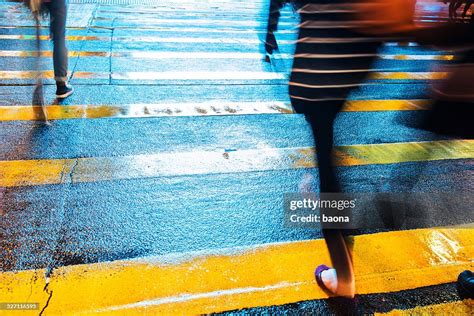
(331, 58)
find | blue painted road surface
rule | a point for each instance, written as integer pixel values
(172, 158)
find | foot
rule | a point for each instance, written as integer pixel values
(64, 90)
(327, 280)
(465, 284)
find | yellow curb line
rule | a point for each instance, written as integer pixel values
(265, 275)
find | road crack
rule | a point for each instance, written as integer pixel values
(49, 292)
(71, 173)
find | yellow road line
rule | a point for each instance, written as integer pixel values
(208, 22)
(29, 53)
(209, 75)
(145, 54)
(408, 75)
(385, 105)
(157, 39)
(11, 75)
(265, 275)
(151, 75)
(211, 108)
(46, 37)
(195, 55)
(418, 57)
(55, 171)
(14, 75)
(166, 29)
(465, 307)
(148, 39)
(22, 27)
(59, 112)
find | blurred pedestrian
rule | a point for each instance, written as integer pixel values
(331, 60)
(57, 11)
(453, 99)
(455, 5)
(452, 111)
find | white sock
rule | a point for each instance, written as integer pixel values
(329, 278)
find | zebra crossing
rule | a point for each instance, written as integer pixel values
(158, 188)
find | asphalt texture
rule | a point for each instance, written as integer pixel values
(48, 226)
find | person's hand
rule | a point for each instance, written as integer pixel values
(270, 43)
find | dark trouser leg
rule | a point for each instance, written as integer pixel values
(340, 258)
(58, 15)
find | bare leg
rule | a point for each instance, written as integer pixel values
(341, 261)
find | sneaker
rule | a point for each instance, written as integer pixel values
(465, 284)
(63, 91)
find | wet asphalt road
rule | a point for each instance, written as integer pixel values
(70, 223)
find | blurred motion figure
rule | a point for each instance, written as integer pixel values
(453, 98)
(455, 5)
(57, 11)
(331, 59)
(452, 111)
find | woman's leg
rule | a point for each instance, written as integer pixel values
(341, 261)
(321, 116)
